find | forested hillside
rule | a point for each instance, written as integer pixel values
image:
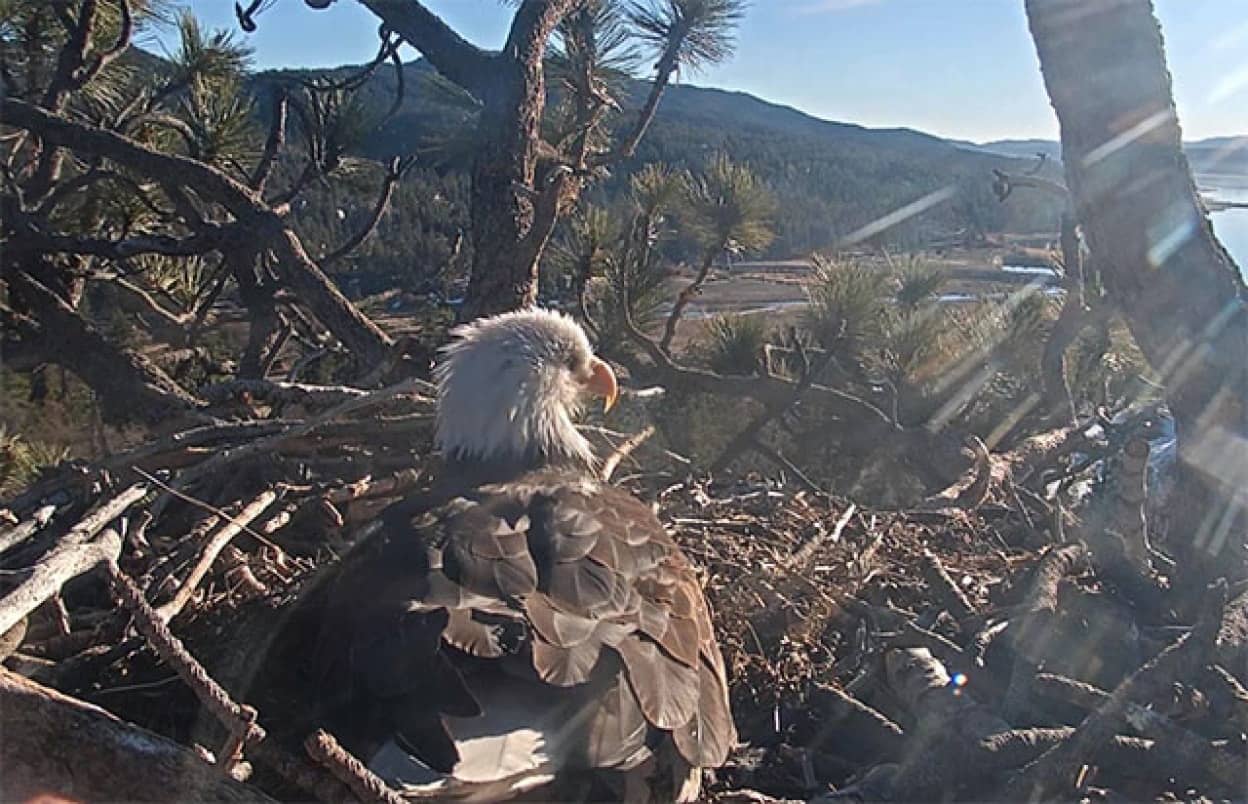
(830, 178)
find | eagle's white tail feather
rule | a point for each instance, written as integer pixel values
(526, 735)
(409, 776)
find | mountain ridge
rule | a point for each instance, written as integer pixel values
(830, 177)
(1212, 155)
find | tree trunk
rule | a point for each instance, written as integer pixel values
(515, 202)
(1105, 70)
(514, 210)
(503, 275)
(56, 748)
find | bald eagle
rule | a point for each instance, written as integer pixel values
(522, 629)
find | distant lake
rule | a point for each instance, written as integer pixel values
(1231, 225)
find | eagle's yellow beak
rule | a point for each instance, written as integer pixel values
(602, 383)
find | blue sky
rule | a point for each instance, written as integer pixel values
(957, 68)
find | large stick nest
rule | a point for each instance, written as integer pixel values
(891, 655)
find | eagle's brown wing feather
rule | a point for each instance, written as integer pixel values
(575, 579)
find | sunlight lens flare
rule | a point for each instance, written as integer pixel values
(1174, 234)
(1138, 131)
(897, 216)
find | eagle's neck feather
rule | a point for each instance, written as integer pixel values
(513, 444)
(506, 397)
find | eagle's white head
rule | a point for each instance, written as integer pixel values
(510, 387)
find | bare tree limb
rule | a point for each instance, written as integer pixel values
(274, 143)
(130, 385)
(364, 337)
(393, 173)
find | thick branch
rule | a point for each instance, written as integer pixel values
(1029, 631)
(1192, 750)
(64, 563)
(1056, 768)
(455, 57)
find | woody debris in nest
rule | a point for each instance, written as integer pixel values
(949, 652)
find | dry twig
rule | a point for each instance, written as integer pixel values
(74, 554)
(237, 718)
(623, 451)
(370, 789)
(211, 549)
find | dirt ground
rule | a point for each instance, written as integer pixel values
(778, 288)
